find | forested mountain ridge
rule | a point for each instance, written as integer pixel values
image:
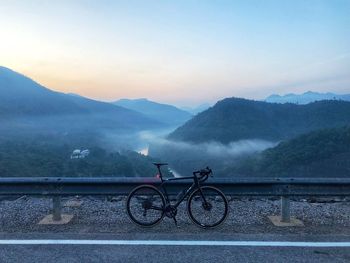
(306, 97)
(25, 103)
(165, 113)
(235, 119)
(49, 156)
(40, 128)
(323, 153)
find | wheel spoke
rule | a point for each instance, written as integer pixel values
(157, 208)
(145, 206)
(207, 208)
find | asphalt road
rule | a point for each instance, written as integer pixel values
(174, 253)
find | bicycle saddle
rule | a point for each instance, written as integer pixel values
(160, 164)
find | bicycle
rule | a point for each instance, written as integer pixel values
(207, 206)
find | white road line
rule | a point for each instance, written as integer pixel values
(173, 243)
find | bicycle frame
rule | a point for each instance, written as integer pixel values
(194, 191)
(195, 185)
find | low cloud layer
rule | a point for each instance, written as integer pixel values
(216, 149)
(184, 157)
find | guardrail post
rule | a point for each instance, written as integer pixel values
(56, 209)
(285, 209)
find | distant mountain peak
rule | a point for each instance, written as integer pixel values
(306, 97)
(310, 92)
(2, 68)
(21, 97)
(14, 84)
(139, 99)
(165, 113)
(75, 95)
(5, 70)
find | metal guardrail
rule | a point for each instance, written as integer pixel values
(283, 187)
(123, 185)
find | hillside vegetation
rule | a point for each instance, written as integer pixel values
(236, 119)
(324, 153)
(49, 156)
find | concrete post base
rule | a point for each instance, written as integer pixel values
(277, 221)
(48, 220)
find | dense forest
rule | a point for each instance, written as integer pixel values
(236, 119)
(321, 153)
(324, 153)
(50, 156)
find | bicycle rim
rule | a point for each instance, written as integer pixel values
(145, 205)
(209, 212)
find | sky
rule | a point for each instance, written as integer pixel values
(184, 52)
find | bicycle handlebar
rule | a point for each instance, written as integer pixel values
(203, 173)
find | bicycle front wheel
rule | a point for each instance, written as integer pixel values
(207, 207)
(145, 205)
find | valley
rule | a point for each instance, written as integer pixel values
(40, 129)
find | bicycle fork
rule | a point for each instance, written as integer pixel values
(206, 205)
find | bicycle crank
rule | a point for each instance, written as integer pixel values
(170, 211)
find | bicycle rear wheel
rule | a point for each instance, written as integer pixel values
(145, 205)
(207, 207)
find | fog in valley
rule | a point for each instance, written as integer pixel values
(42, 133)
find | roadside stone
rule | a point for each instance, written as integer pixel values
(96, 215)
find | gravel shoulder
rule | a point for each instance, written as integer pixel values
(106, 215)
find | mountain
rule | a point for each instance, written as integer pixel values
(306, 97)
(164, 113)
(323, 153)
(25, 104)
(74, 95)
(235, 119)
(198, 109)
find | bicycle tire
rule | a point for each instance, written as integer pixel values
(199, 212)
(141, 200)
